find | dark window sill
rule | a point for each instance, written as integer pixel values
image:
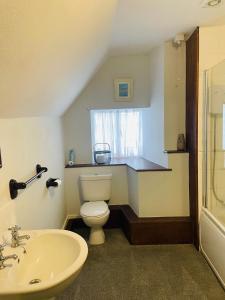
(138, 164)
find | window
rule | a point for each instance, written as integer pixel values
(121, 128)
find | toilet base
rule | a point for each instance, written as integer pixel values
(97, 236)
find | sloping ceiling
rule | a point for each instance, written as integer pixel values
(48, 51)
(142, 24)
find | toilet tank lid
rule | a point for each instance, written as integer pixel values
(95, 177)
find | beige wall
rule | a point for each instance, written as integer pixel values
(24, 143)
(99, 93)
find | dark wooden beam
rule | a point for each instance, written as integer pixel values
(192, 85)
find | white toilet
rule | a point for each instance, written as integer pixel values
(96, 189)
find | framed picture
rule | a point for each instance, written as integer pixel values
(123, 89)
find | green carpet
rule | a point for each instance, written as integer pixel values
(119, 271)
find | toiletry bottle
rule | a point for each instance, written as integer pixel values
(71, 157)
(181, 142)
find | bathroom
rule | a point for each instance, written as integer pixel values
(61, 63)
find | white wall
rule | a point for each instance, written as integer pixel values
(99, 93)
(24, 143)
(174, 93)
(159, 79)
(161, 193)
(165, 118)
(72, 189)
(133, 190)
(153, 134)
(165, 194)
(158, 82)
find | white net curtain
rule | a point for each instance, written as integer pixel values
(120, 128)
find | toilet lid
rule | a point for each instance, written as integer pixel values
(94, 209)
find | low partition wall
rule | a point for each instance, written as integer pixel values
(144, 231)
(161, 194)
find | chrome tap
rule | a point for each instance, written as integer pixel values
(4, 258)
(15, 236)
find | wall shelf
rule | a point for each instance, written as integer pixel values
(138, 164)
(175, 151)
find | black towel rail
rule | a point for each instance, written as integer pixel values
(14, 186)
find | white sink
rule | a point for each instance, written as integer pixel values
(53, 258)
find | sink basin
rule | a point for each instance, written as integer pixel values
(53, 259)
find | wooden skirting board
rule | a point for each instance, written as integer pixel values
(145, 231)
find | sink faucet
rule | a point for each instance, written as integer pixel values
(15, 236)
(4, 258)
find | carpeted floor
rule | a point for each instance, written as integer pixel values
(119, 271)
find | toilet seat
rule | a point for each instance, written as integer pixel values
(96, 209)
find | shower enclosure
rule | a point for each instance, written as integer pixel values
(212, 220)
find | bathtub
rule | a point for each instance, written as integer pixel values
(212, 243)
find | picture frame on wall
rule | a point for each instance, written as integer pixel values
(123, 89)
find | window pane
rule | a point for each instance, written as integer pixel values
(130, 133)
(122, 129)
(104, 128)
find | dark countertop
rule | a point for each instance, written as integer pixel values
(138, 164)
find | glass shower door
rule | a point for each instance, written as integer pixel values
(215, 141)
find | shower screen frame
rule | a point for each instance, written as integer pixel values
(205, 139)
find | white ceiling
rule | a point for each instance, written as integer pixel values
(50, 49)
(140, 25)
